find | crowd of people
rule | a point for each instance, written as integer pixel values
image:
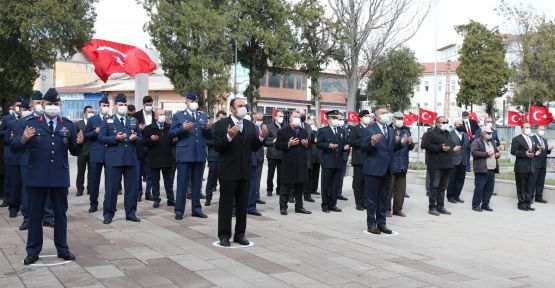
(133, 147)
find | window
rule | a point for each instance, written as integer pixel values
(263, 80)
(439, 85)
(301, 83)
(288, 81)
(417, 88)
(453, 85)
(328, 84)
(426, 87)
(273, 80)
(425, 104)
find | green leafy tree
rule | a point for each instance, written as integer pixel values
(192, 38)
(34, 34)
(264, 41)
(314, 43)
(393, 79)
(483, 72)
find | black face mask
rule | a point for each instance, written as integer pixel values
(460, 128)
(303, 118)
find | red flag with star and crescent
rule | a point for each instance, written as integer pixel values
(111, 57)
(540, 115)
(410, 119)
(515, 118)
(323, 117)
(352, 117)
(427, 116)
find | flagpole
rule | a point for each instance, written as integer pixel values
(419, 138)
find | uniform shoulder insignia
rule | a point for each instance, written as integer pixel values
(66, 119)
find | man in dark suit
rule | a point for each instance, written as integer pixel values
(273, 155)
(213, 157)
(541, 164)
(525, 147)
(235, 140)
(83, 158)
(358, 157)
(471, 128)
(144, 117)
(346, 151)
(258, 163)
(331, 142)
(7, 151)
(157, 139)
(380, 143)
(439, 161)
(293, 141)
(458, 174)
(315, 156)
(307, 187)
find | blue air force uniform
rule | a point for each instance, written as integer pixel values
(120, 160)
(190, 157)
(96, 155)
(48, 163)
(14, 166)
(7, 153)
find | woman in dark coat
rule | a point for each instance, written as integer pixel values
(293, 141)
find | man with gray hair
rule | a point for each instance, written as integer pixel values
(460, 154)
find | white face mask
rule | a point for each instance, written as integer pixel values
(541, 132)
(193, 106)
(148, 108)
(444, 126)
(296, 122)
(161, 119)
(313, 127)
(341, 123)
(258, 123)
(399, 123)
(52, 110)
(247, 117)
(26, 113)
(39, 109)
(104, 110)
(11, 111)
(334, 123)
(489, 124)
(279, 120)
(16, 109)
(122, 110)
(487, 136)
(385, 118)
(366, 120)
(528, 131)
(89, 115)
(241, 112)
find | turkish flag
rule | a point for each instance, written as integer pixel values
(112, 57)
(352, 117)
(410, 119)
(274, 112)
(427, 116)
(323, 117)
(540, 115)
(515, 119)
(474, 117)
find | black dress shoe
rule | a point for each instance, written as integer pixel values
(48, 223)
(200, 215)
(4, 204)
(156, 204)
(283, 212)
(540, 200)
(241, 240)
(107, 221)
(189, 196)
(325, 210)
(291, 200)
(522, 208)
(385, 230)
(335, 209)
(66, 255)
(258, 201)
(93, 209)
(531, 209)
(444, 211)
(407, 195)
(119, 193)
(13, 214)
(225, 243)
(24, 226)
(149, 197)
(451, 200)
(133, 219)
(79, 193)
(459, 200)
(433, 211)
(487, 208)
(400, 214)
(494, 194)
(202, 196)
(178, 217)
(255, 213)
(208, 202)
(374, 230)
(309, 199)
(340, 197)
(359, 208)
(302, 211)
(30, 259)
(269, 193)
(477, 209)
(315, 193)
(171, 203)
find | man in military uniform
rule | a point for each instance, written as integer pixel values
(7, 152)
(191, 128)
(48, 138)
(97, 151)
(120, 133)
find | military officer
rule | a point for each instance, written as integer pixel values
(48, 138)
(7, 152)
(120, 133)
(97, 151)
(191, 128)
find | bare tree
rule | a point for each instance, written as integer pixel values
(369, 29)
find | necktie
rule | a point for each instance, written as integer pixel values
(122, 121)
(51, 126)
(334, 131)
(195, 116)
(384, 131)
(240, 123)
(297, 131)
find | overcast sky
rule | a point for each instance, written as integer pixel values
(112, 25)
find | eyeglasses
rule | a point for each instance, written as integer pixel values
(446, 122)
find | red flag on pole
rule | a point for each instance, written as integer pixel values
(274, 112)
(352, 117)
(410, 119)
(112, 57)
(427, 116)
(474, 117)
(515, 118)
(540, 115)
(323, 117)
